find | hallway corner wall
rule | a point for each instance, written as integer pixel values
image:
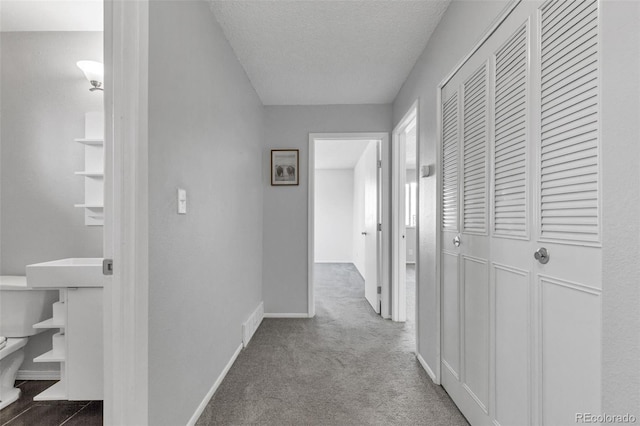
(205, 277)
(285, 208)
(620, 129)
(461, 27)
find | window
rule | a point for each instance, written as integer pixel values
(411, 204)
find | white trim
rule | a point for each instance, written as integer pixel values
(426, 367)
(342, 262)
(196, 415)
(283, 315)
(398, 179)
(384, 264)
(38, 375)
(126, 39)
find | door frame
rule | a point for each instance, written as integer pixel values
(384, 262)
(502, 16)
(125, 295)
(398, 294)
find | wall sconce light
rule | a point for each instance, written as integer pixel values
(94, 72)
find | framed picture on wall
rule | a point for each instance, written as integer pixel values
(285, 167)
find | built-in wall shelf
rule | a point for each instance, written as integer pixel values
(93, 171)
(50, 323)
(90, 174)
(56, 392)
(77, 346)
(51, 356)
(88, 206)
(98, 142)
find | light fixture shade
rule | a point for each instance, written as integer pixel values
(94, 72)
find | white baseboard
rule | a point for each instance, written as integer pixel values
(278, 315)
(38, 375)
(214, 388)
(426, 367)
(334, 261)
(251, 325)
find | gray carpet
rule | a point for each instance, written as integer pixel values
(346, 366)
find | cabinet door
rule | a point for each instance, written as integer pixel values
(85, 368)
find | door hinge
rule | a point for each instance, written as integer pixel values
(107, 267)
(379, 290)
(379, 164)
(379, 227)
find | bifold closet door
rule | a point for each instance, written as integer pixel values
(568, 287)
(520, 255)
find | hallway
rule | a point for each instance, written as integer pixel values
(345, 366)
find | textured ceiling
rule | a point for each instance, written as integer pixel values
(51, 15)
(315, 52)
(337, 154)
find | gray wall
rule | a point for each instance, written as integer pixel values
(461, 27)
(621, 207)
(205, 135)
(43, 100)
(285, 208)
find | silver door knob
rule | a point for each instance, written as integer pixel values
(542, 255)
(456, 241)
(363, 233)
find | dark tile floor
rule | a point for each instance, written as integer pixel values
(25, 411)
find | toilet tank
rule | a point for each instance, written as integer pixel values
(22, 307)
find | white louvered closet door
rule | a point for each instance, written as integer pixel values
(568, 288)
(520, 172)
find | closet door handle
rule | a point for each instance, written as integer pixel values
(457, 241)
(542, 255)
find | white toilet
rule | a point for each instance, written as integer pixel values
(20, 309)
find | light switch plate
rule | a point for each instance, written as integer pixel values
(182, 201)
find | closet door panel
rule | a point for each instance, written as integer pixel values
(512, 337)
(569, 212)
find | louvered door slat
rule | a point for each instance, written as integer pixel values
(450, 163)
(474, 177)
(510, 121)
(569, 162)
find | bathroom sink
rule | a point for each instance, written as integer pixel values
(74, 272)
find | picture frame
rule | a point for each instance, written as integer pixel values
(285, 167)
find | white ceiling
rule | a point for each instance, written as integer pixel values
(51, 15)
(338, 154)
(318, 52)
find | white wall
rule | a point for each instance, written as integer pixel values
(621, 207)
(461, 27)
(285, 269)
(334, 236)
(44, 97)
(358, 216)
(411, 231)
(205, 135)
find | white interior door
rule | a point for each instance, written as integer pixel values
(371, 211)
(520, 175)
(399, 246)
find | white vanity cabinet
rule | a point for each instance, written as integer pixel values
(77, 347)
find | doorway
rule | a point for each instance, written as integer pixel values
(347, 204)
(405, 217)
